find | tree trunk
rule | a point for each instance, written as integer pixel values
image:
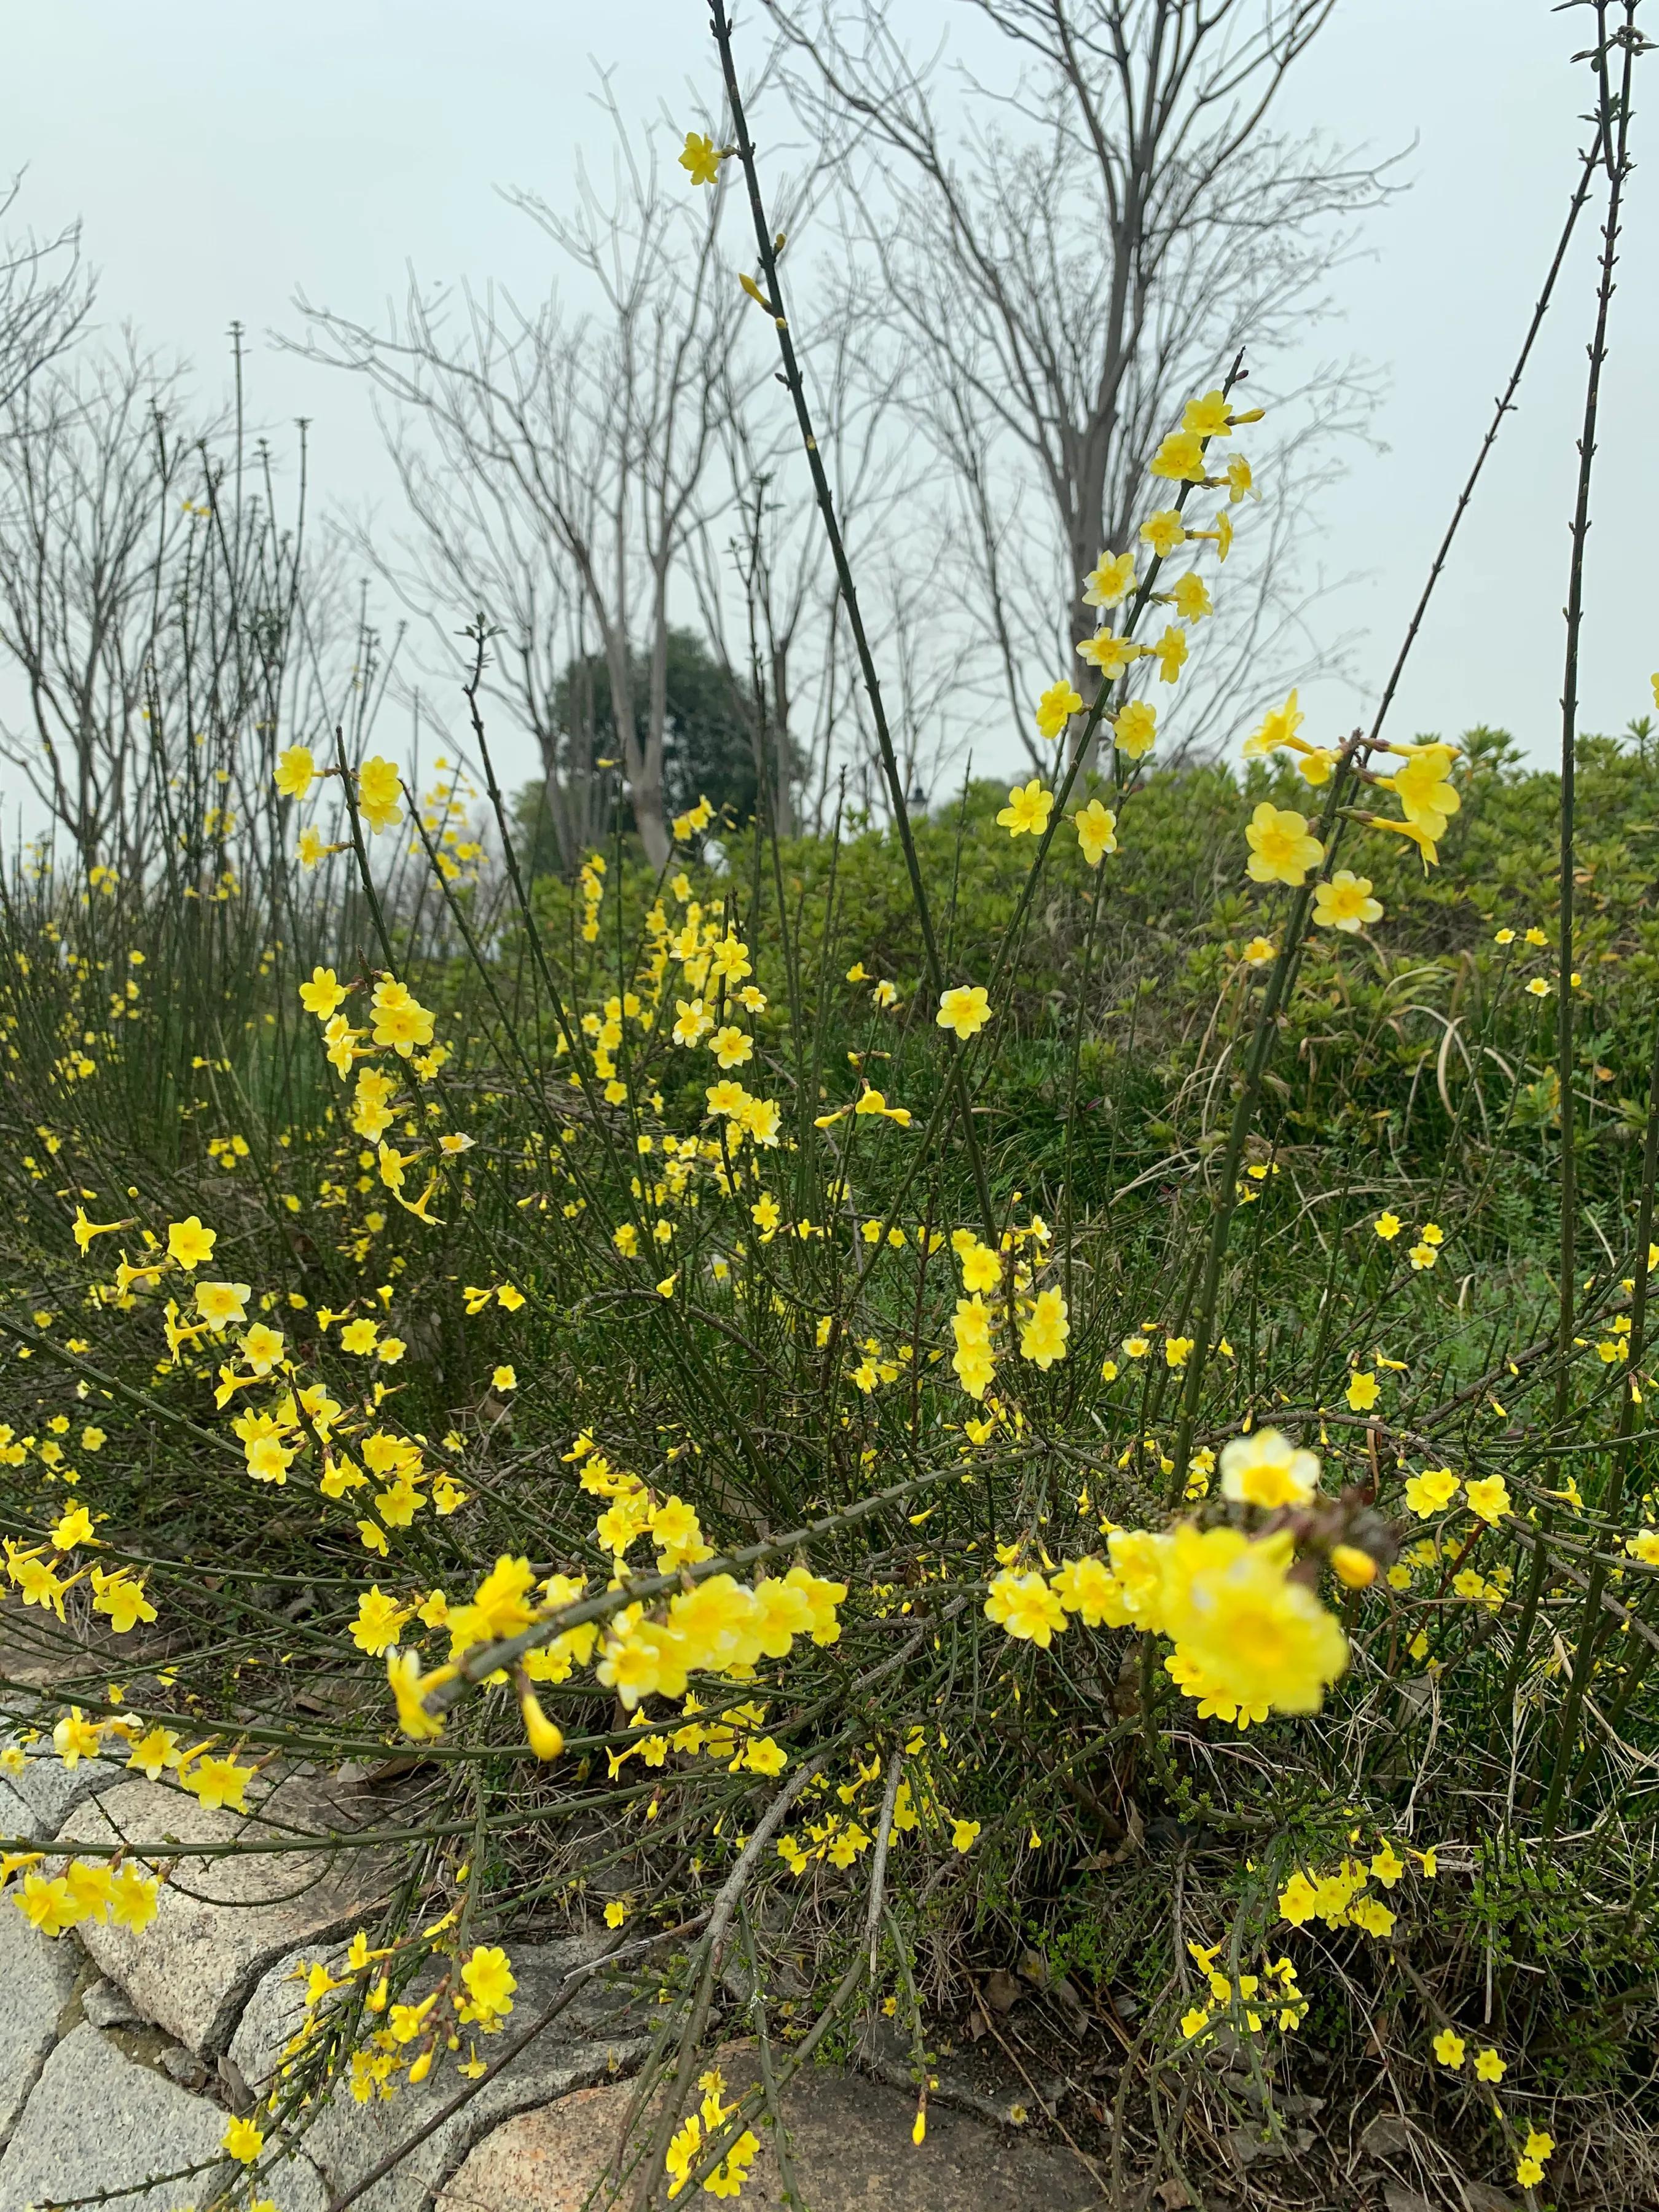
(650, 819)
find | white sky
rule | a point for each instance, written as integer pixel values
(224, 157)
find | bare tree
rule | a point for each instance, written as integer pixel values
(471, 545)
(89, 480)
(770, 540)
(168, 634)
(1061, 256)
(566, 457)
(45, 295)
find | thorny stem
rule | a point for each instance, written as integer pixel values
(574, 1985)
(722, 30)
(1283, 974)
(1504, 406)
(711, 1943)
(1244, 1110)
(1613, 135)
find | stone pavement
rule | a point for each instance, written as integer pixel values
(120, 2055)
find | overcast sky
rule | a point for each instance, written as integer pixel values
(224, 157)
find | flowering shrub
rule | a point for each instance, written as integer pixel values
(841, 1435)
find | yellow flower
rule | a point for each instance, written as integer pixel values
(189, 1245)
(268, 1459)
(701, 159)
(489, 1981)
(1281, 849)
(1388, 1866)
(1134, 729)
(1110, 653)
(221, 1304)
(1025, 1607)
(1027, 811)
(378, 1620)
(323, 993)
(73, 1527)
(1191, 596)
(410, 1688)
(731, 1047)
(964, 1834)
(1181, 457)
(1489, 1499)
(1056, 706)
(1488, 2066)
(1278, 728)
(1110, 581)
(83, 1230)
(1265, 1468)
(121, 1598)
(314, 848)
(154, 1751)
(1231, 1609)
(1353, 1569)
(132, 1899)
(966, 1009)
(296, 771)
(243, 2140)
(1208, 417)
(1259, 951)
(1163, 532)
(1449, 2048)
(1431, 1492)
(1096, 826)
(379, 790)
(1043, 1339)
(544, 1736)
(1345, 903)
(1419, 783)
(1088, 1589)
(1387, 1227)
(1362, 1392)
(1538, 987)
(76, 1738)
(48, 1904)
(1170, 653)
(216, 1782)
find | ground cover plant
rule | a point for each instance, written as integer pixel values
(1021, 1430)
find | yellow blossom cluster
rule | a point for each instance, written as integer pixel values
(87, 1889)
(1185, 457)
(1341, 1897)
(473, 1997)
(1253, 2003)
(695, 2133)
(1246, 1633)
(718, 1626)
